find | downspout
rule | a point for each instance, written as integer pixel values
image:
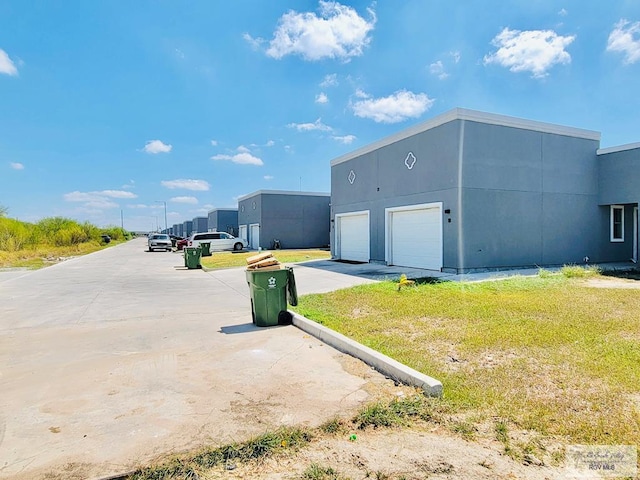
(460, 211)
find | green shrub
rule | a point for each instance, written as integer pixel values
(15, 235)
(576, 271)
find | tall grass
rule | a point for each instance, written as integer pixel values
(24, 244)
(16, 235)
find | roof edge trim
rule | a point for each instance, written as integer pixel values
(474, 116)
(619, 148)
(283, 192)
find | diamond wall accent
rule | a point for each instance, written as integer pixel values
(351, 177)
(410, 161)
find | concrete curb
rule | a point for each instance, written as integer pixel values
(385, 365)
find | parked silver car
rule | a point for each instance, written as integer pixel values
(159, 241)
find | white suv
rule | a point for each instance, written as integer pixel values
(218, 240)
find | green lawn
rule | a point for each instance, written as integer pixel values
(239, 259)
(532, 360)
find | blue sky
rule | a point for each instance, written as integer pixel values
(114, 107)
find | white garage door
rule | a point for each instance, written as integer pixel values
(242, 233)
(254, 235)
(353, 237)
(415, 237)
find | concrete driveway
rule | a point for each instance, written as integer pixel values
(111, 359)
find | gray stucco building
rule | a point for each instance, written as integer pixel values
(469, 191)
(187, 228)
(223, 220)
(296, 219)
(200, 224)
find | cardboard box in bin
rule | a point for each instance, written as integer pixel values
(263, 261)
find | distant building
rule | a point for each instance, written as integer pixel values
(223, 220)
(187, 228)
(200, 224)
(295, 219)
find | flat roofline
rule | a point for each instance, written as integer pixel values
(283, 192)
(619, 148)
(228, 209)
(473, 116)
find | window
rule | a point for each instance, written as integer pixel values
(617, 223)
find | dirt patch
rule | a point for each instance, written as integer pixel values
(416, 454)
(612, 282)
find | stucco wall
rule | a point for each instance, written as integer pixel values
(530, 198)
(200, 224)
(297, 221)
(383, 180)
(620, 177)
(223, 220)
(517, 196)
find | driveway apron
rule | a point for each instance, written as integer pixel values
(111, 359)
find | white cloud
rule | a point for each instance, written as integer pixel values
(337, 32)
(563, 12)
(243, 158)
(100, 203)
(362, 94)
(138, 205)
(307, 127)
(437, 68)
(129, 185)
(255, 43)
(329, 80)
(117, 194)
(270, 143)
(77, 196)
(346, 139)
(157, 146)
(214, 143)
(95, 200)
(456, 56)
(190, 200)
(6, 64)
(16, 166)
(625, 38)
(395, 108)
(534, 51)
(268, 177)
(322, 98)
(186, 184)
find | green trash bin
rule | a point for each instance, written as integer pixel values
(206, 249)
(192, 257)
(271, 290)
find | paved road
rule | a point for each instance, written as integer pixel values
(110, 359)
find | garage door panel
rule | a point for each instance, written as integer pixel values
(354, 237)
(416, 238)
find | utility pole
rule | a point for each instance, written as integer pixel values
(121, 220)
(166, 227)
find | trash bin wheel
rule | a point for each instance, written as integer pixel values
(285, 318)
